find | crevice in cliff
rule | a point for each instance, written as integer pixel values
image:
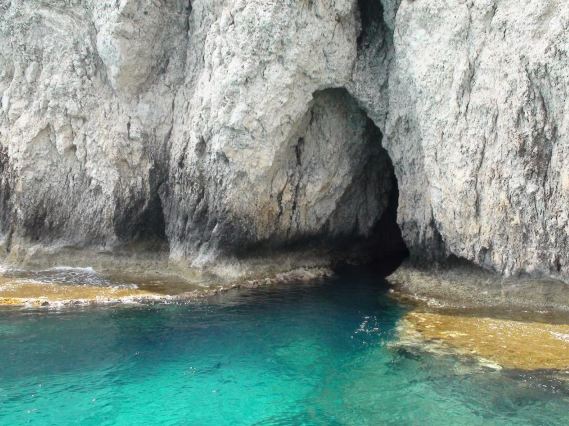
(383, 249)
(371, 18)
(6, 195)
(140, 220)
(387, 237)
(373, 194)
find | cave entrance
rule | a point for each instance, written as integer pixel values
(139, 220)
(386, 240)
(382, 248)
(341, 185)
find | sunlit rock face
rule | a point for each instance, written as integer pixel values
(478, 130)
(223, 126)
(82, 133)
(212, 125)
(269, 148)
(134, 39)
(328, 178)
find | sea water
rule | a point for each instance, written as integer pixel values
(295, 354)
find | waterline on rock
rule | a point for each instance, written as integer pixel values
(67, 287)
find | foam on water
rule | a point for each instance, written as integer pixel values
(561, 336)
(85, 270)
(61, 275)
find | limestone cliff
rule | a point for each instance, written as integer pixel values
(217, 128)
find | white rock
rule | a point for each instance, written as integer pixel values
(230, 125)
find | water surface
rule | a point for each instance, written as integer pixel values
(306, 354)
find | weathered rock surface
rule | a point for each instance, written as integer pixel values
(478, 131)
(82, 133)
(218, 128)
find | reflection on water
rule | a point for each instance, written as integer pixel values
(315, 354)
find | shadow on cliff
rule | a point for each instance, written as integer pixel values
(384, 251)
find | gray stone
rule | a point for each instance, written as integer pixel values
(217, 128)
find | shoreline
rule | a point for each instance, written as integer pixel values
(449, 311)
(501, 323)
(467, 287)
(27, 293)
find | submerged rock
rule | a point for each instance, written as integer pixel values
(506, 343)
(43, 295)
(65, 287)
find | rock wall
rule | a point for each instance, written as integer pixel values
(478, 130)
(87, 93)
(223, 127)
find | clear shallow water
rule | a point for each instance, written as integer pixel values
(315, 354)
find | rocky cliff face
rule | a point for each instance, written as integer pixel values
(217, 128)
(478, 103)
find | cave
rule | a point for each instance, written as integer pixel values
(339, 191)
(371, 18)
(383, 248)
(387, 246)
(139, 218)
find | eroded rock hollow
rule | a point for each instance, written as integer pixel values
(215, 129)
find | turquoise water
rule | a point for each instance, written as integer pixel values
(316, 354)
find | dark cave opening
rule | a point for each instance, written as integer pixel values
(139, 218)
(143, 223)
(388, 243)
(384, 249)
(358, 223)
(152, 225)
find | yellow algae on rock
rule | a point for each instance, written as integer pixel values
(510, 344)
(19, 293)
(10, 301)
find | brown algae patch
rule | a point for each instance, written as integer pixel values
(507, 343)
(43, 289)
(37, 294)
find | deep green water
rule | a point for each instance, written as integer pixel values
(302, 354)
